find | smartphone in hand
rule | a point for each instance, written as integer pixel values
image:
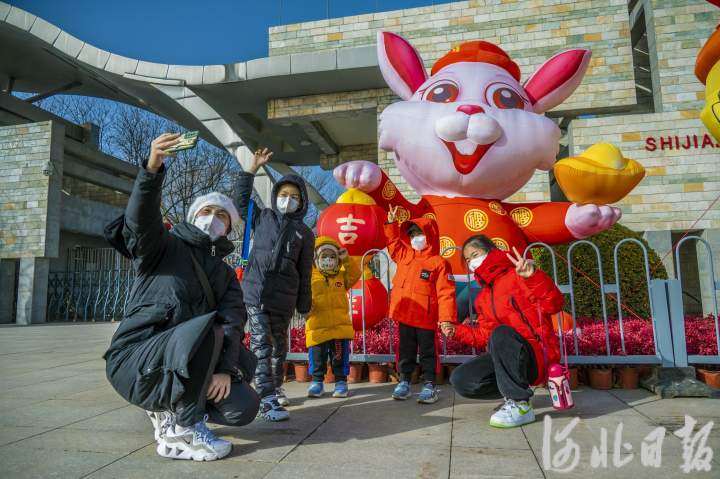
(186, 141)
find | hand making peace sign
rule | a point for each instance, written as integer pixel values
(392, 214)
(523, 267)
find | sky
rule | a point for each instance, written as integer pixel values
(191, 32)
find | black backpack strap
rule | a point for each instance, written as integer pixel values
(204, 282)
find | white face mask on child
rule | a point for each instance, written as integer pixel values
(211, 225)
(287, 204)
(418, 242)
(327, 264)
(475, 263)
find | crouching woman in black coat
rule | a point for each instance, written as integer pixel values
(178, 353)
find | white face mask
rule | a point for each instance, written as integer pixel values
(327, 264)
(211, 225)
(287, 204)
(475, 263)
(418, 242)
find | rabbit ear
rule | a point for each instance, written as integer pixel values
(400, 64)
(557, 79)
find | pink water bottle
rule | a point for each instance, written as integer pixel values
(559, 387)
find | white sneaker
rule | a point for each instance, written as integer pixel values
(161, 421)
(513, 414)
(282, 398)
(197, 443)
(271, 410)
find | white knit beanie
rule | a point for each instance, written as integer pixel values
(213, 199)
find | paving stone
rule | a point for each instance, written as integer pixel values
(20, 462)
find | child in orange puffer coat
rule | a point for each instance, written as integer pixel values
(423, 295)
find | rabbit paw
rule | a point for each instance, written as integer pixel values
(587, 220)
(363, 175)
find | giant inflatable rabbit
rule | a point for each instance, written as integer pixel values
(470, 136)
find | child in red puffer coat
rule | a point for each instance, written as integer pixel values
(514, 310)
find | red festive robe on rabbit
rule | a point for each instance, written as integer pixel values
(507, 224)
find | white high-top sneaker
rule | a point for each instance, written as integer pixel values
(513, 414)
(197, 443)
(161, 421)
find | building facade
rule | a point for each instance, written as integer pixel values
(57, 192)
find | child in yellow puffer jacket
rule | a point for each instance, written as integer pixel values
(328, 328)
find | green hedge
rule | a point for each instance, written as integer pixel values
(633, 286)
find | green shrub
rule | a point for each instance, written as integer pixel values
(633, 285)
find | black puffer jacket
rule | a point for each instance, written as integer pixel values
(167, 314)
(277, 278)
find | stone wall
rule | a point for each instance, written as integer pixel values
(682, 163)
(529, 30)
(677, 29)
(29, 198)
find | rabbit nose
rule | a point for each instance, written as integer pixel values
(470, 109)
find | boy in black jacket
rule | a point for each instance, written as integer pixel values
(277, 279)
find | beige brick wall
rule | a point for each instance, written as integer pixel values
(29, 200)
(680, 184)
(676, 31)
(529, 30)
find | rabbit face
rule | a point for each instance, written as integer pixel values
(469, 130)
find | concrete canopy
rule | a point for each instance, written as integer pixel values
(227, 103)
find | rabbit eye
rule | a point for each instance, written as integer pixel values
(507, 98)
(444, 92)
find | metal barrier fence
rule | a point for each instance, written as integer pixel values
(97, 285)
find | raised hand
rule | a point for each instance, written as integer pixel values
(261, 158)
(392, 214)
(342, 254)
(157, 150)
(523, 267)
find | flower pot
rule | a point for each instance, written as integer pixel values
(644, 371)
(329, 375)
(377, 373)
(709, 377)
(356, 373)
(628, 377)
(574, 382)
(601, 378)
(301, 373)
(285, 371)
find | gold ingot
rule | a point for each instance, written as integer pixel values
(600, 175)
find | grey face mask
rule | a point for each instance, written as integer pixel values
(287, 204)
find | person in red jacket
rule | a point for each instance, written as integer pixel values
(422, 296)
(514, 310)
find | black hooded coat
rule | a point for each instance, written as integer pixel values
(167, 315)
(277, 278)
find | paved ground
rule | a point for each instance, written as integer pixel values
(60, 418)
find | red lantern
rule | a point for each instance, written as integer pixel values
(355, 221)
(376, 303)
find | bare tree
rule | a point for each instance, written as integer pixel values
(196, 172)
(127, 131)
